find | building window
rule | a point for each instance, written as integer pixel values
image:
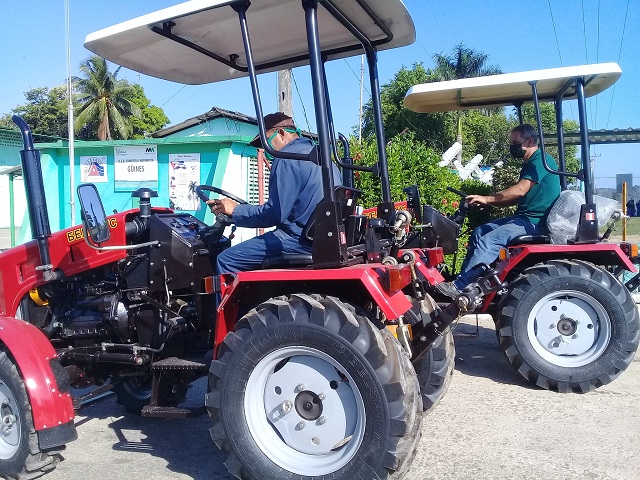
(253, 196)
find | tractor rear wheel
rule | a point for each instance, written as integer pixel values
(20, 454)
(568, 326)
(306, 386)
(435, 370)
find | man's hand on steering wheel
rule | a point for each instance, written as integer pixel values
(477, 200)
(222, 205)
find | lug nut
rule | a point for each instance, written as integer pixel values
(286, 406)
(322, 420)
(300, 388)
(300, 425)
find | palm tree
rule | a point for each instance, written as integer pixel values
(463, 62)
(104, 103)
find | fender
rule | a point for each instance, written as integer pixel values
(369, 276)
(527, 255)
(32, 352)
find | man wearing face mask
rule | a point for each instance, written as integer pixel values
(295, 188)
(534, 195)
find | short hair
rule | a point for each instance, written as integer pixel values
(526, 132)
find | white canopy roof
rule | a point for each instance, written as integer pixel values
(508, 88)
(276, 29)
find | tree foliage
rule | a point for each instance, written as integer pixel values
(462, 62)
(410, 162)
(152, 118)
(105, 104)
(45, 111)
(435, 129)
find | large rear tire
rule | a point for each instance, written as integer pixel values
(435, 370)
(306, 386)
(568, 326)
(20, 454)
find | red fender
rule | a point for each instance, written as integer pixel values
(32, 351)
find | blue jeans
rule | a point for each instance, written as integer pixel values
(487, 240)
(248, 255)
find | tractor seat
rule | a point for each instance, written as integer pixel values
(295, 260)
(529, 239)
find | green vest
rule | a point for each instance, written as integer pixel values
(535, 205)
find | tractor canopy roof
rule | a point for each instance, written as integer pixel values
(510, 88)
(174, 43)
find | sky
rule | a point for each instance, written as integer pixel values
(517, 36)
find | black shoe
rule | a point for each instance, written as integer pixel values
(448, 289)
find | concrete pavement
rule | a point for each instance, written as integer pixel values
(491, 425)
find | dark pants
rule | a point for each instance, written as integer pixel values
(249, 255)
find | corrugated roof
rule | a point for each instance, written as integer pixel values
(212, 114)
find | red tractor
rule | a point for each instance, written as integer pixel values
(322, 365)
(564, 320)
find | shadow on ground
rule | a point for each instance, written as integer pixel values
(478, 355)
(185, 444)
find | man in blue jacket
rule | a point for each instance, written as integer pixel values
(534, 194)
(295, 188)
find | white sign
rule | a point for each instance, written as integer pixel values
(184, 176)
(94, 169)
(136, 167)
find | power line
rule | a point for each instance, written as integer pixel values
(304, 110)
(420, 43)
(173, 96)
(356, 75)
(586, 51)
(555, 33)
(613, 91)
(584, 35)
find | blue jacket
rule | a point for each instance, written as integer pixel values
(295, 188)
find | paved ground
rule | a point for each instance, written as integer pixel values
(490, 425)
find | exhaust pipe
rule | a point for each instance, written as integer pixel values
(36, 201)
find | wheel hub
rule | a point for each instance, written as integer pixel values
(308, 405)
(9, 423)
(567, 326)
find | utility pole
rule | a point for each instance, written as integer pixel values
(361, 91)
(284, 92)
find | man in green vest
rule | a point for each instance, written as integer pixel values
(534, 195)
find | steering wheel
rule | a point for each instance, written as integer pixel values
(220, 217)
(458, 192)
(200, 189)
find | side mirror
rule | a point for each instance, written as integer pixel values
(94, 219)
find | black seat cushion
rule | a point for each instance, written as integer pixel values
(529, 239)
(288, 260)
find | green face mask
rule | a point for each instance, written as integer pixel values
(290, 130)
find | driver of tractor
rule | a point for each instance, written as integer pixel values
(295, 188)
(534, 195)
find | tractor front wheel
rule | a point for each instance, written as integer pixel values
(568, 326)
(20, 455)
(306, 386)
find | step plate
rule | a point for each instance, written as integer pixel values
(174, 363)
(173, 412)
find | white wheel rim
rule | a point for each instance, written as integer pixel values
(10, 431)
(310, 442)
(569, 328)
